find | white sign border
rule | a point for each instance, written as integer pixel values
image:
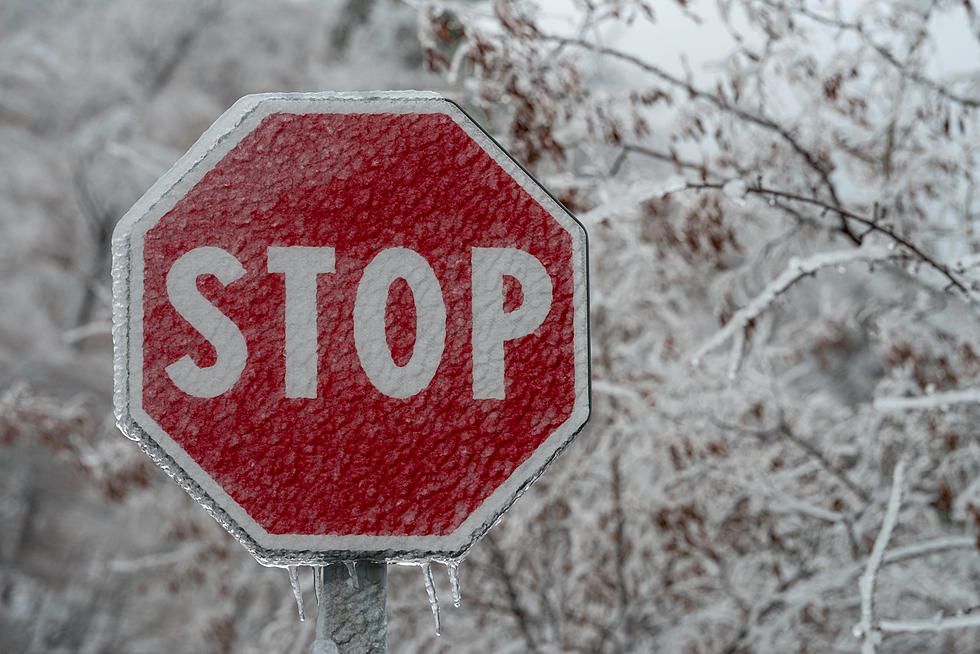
(127, 273)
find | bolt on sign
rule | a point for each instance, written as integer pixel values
(351, 326)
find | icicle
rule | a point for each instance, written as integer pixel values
(430, 590)
(352, 573)
(452, 567)
(297, 591)
(317, 583)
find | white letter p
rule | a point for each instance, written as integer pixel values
(491, 325)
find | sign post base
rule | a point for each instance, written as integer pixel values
(352, 615)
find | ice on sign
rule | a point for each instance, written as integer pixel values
(350, 325)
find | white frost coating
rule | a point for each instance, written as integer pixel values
(738, 350)
(929, 547)
(966, 497)
(839, 578)
(430, 590)
(301, 266)
(866, 628)
(966, 263)
(120, 329)
(736, 189)
(940, 623)
(632, 198)
(797, 269)
(806, 508)
(933, 401)
(491, 325)
(216, 327)
(459, 57)
(369, 322)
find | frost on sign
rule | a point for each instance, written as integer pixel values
(351, 326)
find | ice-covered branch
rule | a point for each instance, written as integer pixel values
(966, 263)
(808, 509)
(819, 459)
(797, 270)
(865, 628)
(939, 623)
(632, 198)
(670, 157)
(873, 225)
(722, 103)
(929, 547)
(837, 578)
(903, 68)
(933, 401)
(169, 558)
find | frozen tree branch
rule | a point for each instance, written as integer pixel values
(670, 157)
(622, 552)
(966, 263)
(866, 628)
(637, 195)
(939, 623)
(170, 558)
(887, 56)
(871, 224)
(933, 401)
(836, 578)
(801, 589)
(784, 430)
(524, 622)
(808, 509)
(723, 104)
(797, 270)
(929, 547)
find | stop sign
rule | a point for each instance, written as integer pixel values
(351, 326)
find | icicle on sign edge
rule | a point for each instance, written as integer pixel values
(182, 176)
(452, 570)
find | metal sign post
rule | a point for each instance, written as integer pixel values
(352, 615)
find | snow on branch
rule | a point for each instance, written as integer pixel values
(873, 225)
(966, 263)
(903, 68)
(837, 578)
(723, 104)
(865, 628)
(797, 270)
(929, 547)
(933, 401)
(939, 623)
(637, 195)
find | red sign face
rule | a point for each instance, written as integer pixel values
(351, 326)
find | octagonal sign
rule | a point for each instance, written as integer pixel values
(351, 326)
